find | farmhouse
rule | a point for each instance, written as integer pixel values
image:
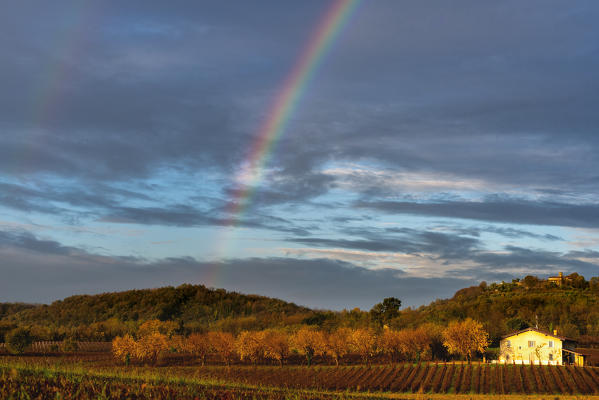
(533, 346)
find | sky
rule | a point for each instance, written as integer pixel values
(434, 146)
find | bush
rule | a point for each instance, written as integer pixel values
(18, 340)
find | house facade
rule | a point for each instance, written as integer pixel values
(558, 280)
(533, 346)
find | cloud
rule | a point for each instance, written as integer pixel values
(42, 271)
(504, 211)
(144, 113)
(102, 202)
(514, 233)
(30, 243)
(440, 245)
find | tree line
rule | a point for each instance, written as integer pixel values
(571, 308)
(464, 339)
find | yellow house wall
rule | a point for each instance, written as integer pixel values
(520, 353)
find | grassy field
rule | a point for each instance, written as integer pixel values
(94, 378)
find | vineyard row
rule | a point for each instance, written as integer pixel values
(420, 378)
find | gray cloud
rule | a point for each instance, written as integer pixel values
(102, 203)
(519, 233)
(442, 245)
(509, 210)
(44, 271)
(102, 105)
(28, 242)
(186, 216)
(153, 86)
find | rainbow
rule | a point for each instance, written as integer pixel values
(282, 108)
(285, 103)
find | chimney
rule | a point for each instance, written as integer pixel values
(561, 275)
(555, 332)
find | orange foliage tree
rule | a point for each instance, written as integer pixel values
(275, 344)
(465, 338)
(156, 326)
(308, 342)
(250, 346)
(223, 344)
(363, 342)
(199, 345)
(150, 347)
(337, 344)
(391, 344)
(415, 342)
(123, 348)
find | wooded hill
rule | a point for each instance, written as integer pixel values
(571, 308)
(7, 309)
(194, 307)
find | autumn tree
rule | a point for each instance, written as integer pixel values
(156, 326)
(414, 342)
(275, 344)
(363, 342)
(249, 346)
(123, 348)
(150, 347)
(223, 344)
(199, 345)
(465, 338)
(383, 312)
(435, 334)
(177, 343)
(308, 342)
(336, 344)
(390, 343)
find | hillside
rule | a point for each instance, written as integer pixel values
(7, 309)
(192, 306)
(572, 308)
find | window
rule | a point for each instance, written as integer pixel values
(509, 343)
(550, 357)
(531, 343)
(551, 343)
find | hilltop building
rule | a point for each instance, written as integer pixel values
(558, 280)
(533, 346)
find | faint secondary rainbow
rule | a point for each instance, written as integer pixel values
(283, 106)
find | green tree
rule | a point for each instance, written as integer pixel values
(386, 310)
(18, 340)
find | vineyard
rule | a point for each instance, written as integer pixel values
(16, 384)
(420, 378)
(56, 346)
(91, 378)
